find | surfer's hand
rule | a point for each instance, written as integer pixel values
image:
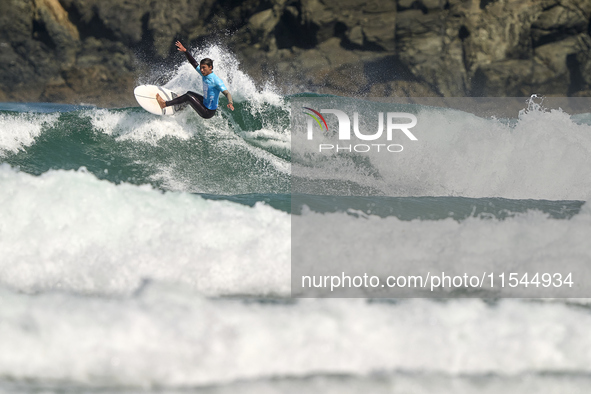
(231, 106)
(180, 46)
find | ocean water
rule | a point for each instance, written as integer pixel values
(152, 254)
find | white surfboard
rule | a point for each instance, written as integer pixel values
(146, 97)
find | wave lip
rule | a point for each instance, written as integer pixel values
(20, 130)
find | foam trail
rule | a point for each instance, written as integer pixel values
(140, 127)
(255, 101)
(227, 67)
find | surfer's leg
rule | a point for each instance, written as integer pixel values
(195, 100)
(175, 101)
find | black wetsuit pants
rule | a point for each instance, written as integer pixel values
(195, 100)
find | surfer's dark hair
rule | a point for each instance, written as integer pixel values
(207, 61)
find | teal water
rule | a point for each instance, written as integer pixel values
(243, 158)
(100, 141)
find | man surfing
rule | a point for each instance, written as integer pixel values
(207, 104)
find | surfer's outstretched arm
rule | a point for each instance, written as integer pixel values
(190, 58)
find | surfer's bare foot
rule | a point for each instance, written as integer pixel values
(161, 101)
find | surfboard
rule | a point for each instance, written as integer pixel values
(146, 97)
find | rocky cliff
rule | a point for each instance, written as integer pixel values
(93, 51)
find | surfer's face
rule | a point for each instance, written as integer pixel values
(205, 69)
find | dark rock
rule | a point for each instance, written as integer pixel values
(504, 77)
(560, 21)
(96, 50)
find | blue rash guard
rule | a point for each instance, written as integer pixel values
(207, 104)
(212, 87)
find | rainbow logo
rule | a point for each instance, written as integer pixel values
(316, 119)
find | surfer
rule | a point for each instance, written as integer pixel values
(207, 104)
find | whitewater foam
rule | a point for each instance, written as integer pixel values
(542, 154)
(68, 230)
(256, 102)
(227, 67)
(171, 337)
(20, 130)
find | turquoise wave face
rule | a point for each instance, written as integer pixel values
(407, 208)
(243, 152)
